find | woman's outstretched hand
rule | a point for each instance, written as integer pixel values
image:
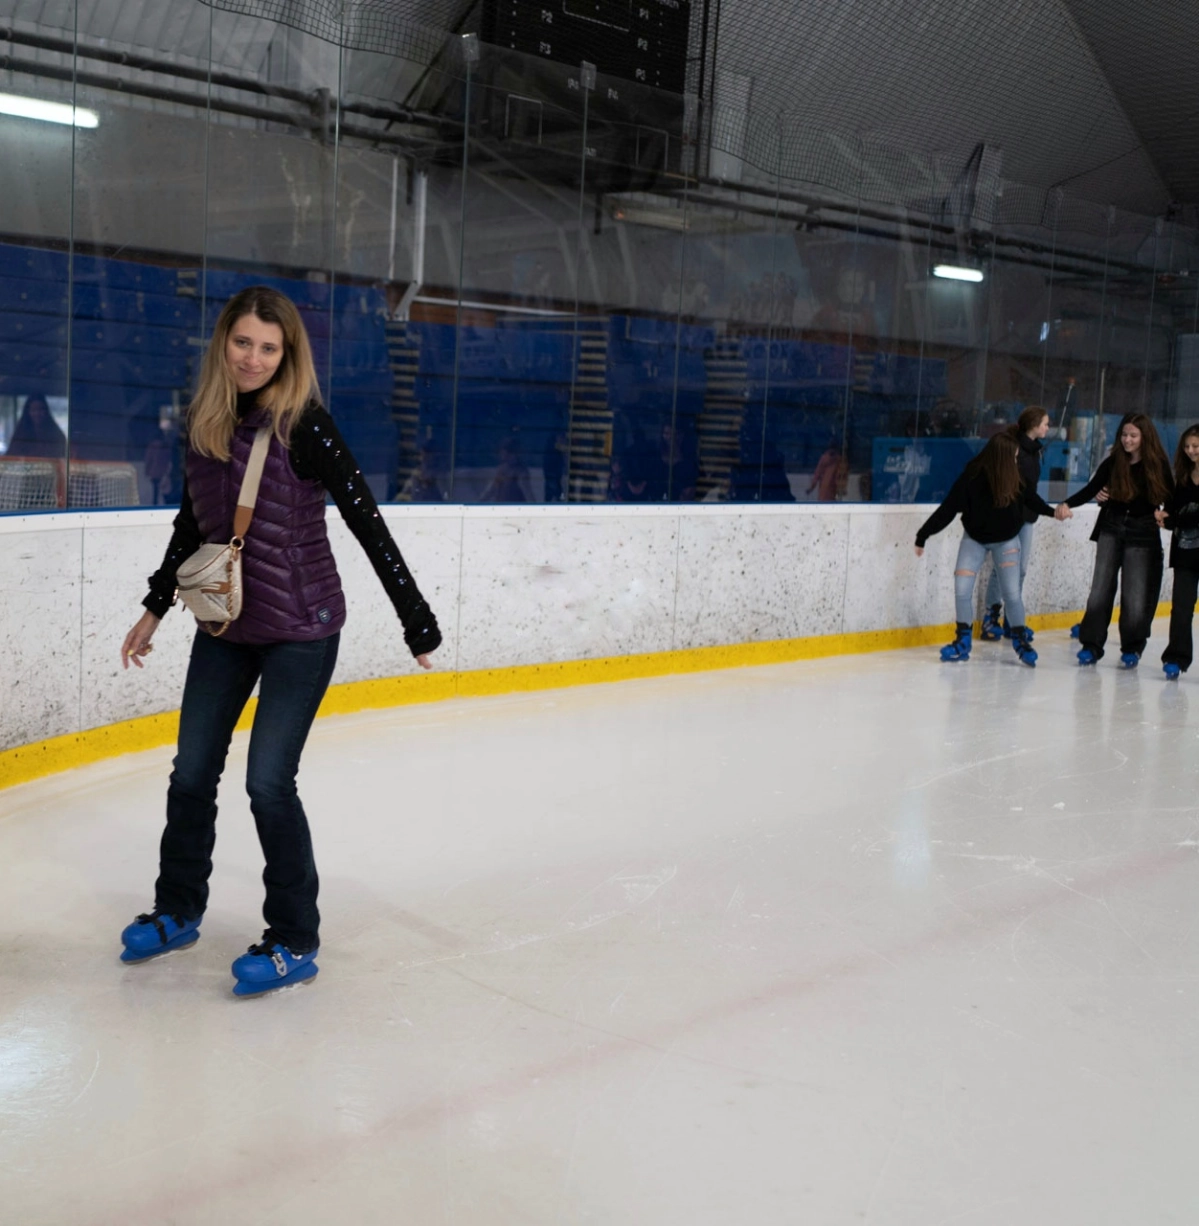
(424, 661)
(920, 551)
(137, 641)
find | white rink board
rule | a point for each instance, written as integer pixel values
(510, 586)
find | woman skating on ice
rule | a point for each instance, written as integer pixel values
(1030, 428)
(991, 500)
(1132, 483)
(1182, 517)
(258, 372)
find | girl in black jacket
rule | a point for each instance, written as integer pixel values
(1132, 483)
(1182, 515)
(991, 500)
(1030, 428)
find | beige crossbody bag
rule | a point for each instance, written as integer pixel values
(209, 582)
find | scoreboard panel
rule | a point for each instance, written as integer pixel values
(638, 40)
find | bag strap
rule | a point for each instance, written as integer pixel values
(248, 495)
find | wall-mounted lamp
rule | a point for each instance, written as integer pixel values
(955, 272)
(51, 112)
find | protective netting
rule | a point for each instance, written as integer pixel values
(1149, 53)
(893, 104)
(321, 18)
(404, 28)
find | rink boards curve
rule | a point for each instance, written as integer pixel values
(527, 598)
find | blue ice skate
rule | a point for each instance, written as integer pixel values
(991, 630)
(270, 965)
(1087, 656)
(1130, 659)
(959, 649)
(1172, 670)
(1009, 632)
(1076, 630)
(1022, 646)
(158, 933)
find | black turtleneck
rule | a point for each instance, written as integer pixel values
(317, 453)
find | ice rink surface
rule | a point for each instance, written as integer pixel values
(860, 940)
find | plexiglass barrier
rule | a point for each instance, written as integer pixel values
(526, 282)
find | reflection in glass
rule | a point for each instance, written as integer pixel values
(35, 273)
(136, 255)
(556, 289)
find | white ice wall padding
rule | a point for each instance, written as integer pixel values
(510, 586)
(41, 615)
(773, 573)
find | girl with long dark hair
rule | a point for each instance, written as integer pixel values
(258, 375)
(1030, 428)
(1131, 484)
(37, 435)
(992, 501)
(1181, 515)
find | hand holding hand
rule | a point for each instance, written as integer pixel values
(137, 641)
(1063, 512)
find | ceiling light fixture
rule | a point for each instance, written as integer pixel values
(955, 272)
(51, 112)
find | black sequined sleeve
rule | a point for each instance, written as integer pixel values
(318, 452)
(185, 540)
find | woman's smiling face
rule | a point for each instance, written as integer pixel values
(253, 351)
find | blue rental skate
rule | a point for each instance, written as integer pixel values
(1086, 656)
(1022, 646)
(270, 965)
(1076, 630)
(1009, 632)
(1172, 671)
(157, 933)
(1130, 659)
(992, 627)
(959, 649)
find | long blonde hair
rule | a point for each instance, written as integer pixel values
(212, 414)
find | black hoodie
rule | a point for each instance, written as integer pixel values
(971, 497)
(1028, 461)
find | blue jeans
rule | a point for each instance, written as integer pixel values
(1006, 557)
(994, 596)
(220, 679)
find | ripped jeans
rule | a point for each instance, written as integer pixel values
(994, 595)
(1006, 557)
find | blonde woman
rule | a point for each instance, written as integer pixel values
(258, 371)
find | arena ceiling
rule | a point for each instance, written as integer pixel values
(1098, 97)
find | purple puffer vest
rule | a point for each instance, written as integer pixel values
(291, 589)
